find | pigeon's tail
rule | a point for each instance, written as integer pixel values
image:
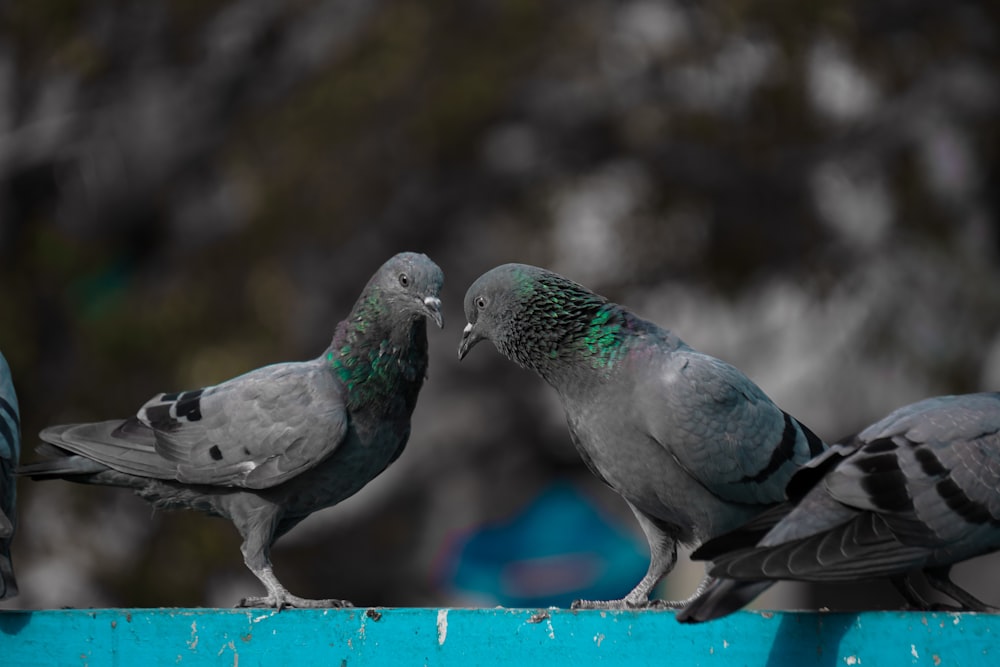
(721, 598)
(76, 451)
(59, 464)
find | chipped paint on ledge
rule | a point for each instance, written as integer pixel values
(357, 637)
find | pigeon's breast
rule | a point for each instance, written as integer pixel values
(606, 435)
(612, 440)
(365, 453)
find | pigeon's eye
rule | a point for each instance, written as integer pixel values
(404, 280)
(480, 302)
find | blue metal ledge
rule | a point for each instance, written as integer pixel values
(524, 637)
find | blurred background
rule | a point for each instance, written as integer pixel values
(189, 190)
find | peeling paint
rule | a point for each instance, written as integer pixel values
(193, 642)
(422, 635)
(231, 645)
(540, 616)
(442, 626)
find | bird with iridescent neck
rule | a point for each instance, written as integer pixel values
(270, 447)
(691, 443)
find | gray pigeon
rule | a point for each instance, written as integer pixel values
(268, 448)
(916, 491)
(10, 448)
(692, 445)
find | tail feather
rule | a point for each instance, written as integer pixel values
(721, 598)
(863, 548)
(126, 446)
(62, 464)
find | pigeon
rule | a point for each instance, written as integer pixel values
(268, 448)
(10, 441)
(693, 446)
(917, 491)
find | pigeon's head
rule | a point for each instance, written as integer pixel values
(411, 285)
(522, 309)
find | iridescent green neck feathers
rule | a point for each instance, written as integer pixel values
(559, 323)
(377, 354)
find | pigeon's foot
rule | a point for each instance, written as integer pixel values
(638, 598)
(599, 604)
(626, 604)
(279, 598)
(291, 602)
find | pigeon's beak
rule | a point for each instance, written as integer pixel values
(469, 339)
(432, 308)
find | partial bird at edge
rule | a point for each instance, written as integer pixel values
(10, 449)
(917, 491)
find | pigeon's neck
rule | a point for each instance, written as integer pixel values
(377, 356)
(588, 345)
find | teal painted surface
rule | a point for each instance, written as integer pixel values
(393, 637)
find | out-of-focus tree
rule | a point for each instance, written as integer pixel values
(192, 189)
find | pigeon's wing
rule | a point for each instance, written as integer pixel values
(723, 429)
(901, 465)
(255, 431)
(860, 547)
(924, 490)
(932, 471)
(746, 536)
(942, 418)
(815, 469)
